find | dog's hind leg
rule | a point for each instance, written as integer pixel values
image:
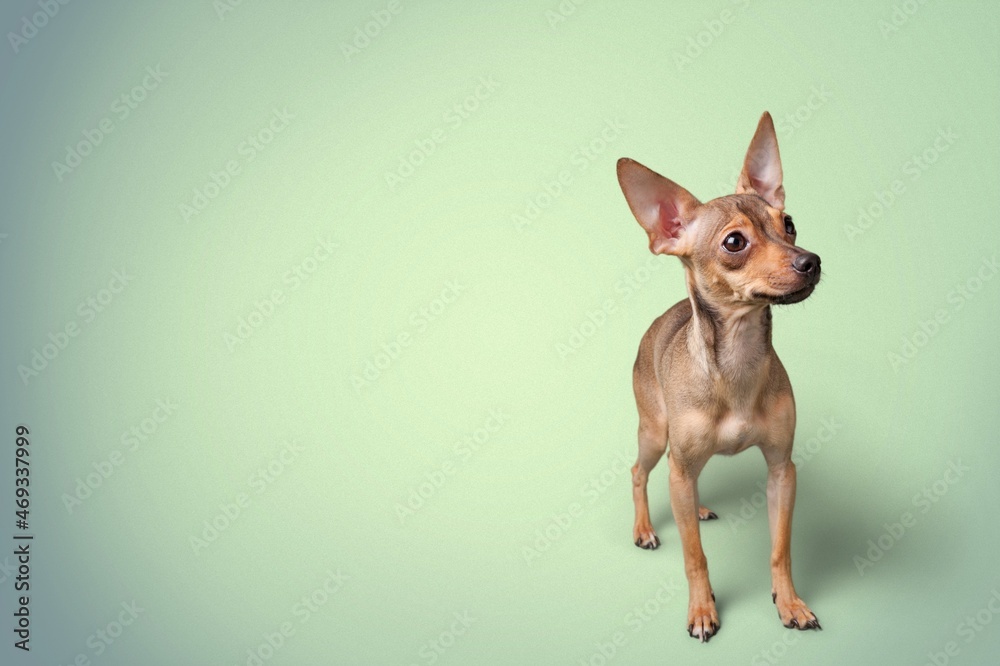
(652, 445)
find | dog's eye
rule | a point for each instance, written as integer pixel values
(735, 242)
(789, 226)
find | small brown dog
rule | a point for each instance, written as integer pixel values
(707, 378)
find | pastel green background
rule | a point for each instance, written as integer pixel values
(878, 99)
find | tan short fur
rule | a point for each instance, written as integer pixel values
(707, 379)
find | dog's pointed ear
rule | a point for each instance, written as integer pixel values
(762, 166)
(662, 207)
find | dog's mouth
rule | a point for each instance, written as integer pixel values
(796, 296)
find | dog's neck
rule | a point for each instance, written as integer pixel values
(731, 344)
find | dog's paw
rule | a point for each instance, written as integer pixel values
(703, 620)
(705, 514)
(795, 614)
(646, 539)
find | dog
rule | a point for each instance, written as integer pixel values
(706, 378)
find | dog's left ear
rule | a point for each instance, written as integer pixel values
(762, 165)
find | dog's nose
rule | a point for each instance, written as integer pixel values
(807, 263)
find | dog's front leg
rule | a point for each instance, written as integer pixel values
(780, 501)
(703, 620)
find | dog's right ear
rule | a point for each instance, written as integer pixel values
(662, 207)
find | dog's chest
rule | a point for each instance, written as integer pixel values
(734, 432)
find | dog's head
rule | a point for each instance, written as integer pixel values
(740, 249)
